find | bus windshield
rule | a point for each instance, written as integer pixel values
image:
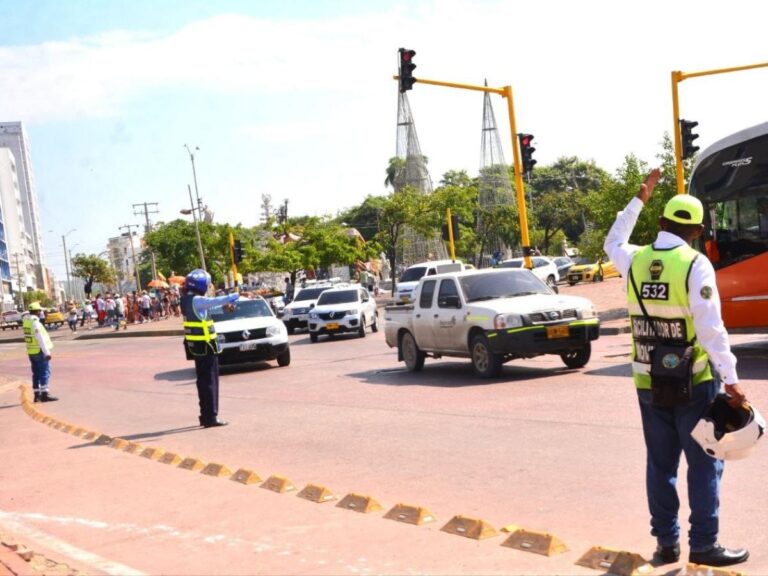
(731, 180)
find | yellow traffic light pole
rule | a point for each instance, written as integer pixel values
(231, 242)
(450, 234)
(505, 92)
(678, 77)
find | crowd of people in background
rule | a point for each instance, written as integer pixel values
(117, 311)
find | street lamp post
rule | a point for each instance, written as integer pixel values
(68, 288)
(194, 177)
(193, 211)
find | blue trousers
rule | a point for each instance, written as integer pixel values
(41, 372)
(667, 433)
(207, 368)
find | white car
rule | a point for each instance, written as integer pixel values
(544, 268)
(296, 313)
(250, 333)
(410, 278)
(343, 310)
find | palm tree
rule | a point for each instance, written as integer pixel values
(396, 164)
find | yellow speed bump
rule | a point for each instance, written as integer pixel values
(77, 431)
(89, 435)
(170, 458)
(133, 448)
(68, 428)
(192, 464)
(359, 503)
(469, 528)
(316, 493)
(619, 562)
(410, 514)
(700, 570)
(118, 443)
(103, 439)
(537, 542)
(245, 476)
(217, 470)
(278, 484)
(152, 453)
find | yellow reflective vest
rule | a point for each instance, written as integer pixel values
(199, 334)
(30, 339)
(661, 277)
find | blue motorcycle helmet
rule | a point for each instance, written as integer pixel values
(197, 281)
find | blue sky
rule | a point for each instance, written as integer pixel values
(295, 99)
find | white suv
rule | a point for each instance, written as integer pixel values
(250, 333)
(544, 268)
(296, 313)
(340, 310)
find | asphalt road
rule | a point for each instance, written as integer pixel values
(542, 447)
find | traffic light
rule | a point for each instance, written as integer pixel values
(238, 251)
(455, 226)
(687, 135)
(406, 69)
(526, 152)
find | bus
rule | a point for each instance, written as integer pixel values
(730, 178)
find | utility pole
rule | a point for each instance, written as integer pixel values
(133, 252)
(148, 227)
(197, 228)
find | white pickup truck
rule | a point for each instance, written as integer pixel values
(490, 316)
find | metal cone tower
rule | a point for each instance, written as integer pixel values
(413, 172)
(494, 188)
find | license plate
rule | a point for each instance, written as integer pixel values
(332, 326)
(405, 299)
(245, 346)
(557, 332)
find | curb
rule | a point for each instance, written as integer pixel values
(134, 334)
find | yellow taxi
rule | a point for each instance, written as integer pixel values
(53, 318)
(592, 272)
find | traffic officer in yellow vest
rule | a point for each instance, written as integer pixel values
(200, 341)
(39, 348)
(676, 285)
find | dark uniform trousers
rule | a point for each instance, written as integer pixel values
(207, 368)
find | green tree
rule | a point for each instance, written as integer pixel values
(394, 167)
(36, 296)
(91, 266)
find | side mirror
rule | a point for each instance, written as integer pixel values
(311, 306)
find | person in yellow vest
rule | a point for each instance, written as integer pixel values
(676, 287)
(39, 348)
(201, 342)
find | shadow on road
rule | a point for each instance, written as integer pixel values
(614, 371)
(150, 435)
(176, 375)
(247, 367)
(449, 375)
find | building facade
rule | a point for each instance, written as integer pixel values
(14, 138)
(124, 253)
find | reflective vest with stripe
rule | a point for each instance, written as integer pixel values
(29, 335)
(661, 277)
(199, 334)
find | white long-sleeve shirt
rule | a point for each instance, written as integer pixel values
(707, 319)
(41, 336)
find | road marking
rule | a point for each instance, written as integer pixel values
(8, 521)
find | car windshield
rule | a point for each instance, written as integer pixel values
(413, 274)
(511, 264)
(243, 309)
(337, 297)
(493, 285)
(309, 294)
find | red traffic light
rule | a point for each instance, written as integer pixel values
(407, 55)
(525, 140)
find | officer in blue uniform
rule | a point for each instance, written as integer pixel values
(200, 342)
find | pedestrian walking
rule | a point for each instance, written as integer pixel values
(201, 343)
(72, 317)
(39, 348)
(674, 301)
(120, 313)
(145, 303)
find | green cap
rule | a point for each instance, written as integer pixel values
(34, 306)
(684, 209)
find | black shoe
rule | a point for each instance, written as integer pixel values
(719, 556)
(37, 396)
(214, 423)
(667, 554)
(45, 397)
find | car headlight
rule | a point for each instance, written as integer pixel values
(587, 313)
(350, 313)
(221, 338)
(287, 312)
(273, 330)
(313, 315)
(502, 321)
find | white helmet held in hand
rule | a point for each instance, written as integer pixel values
(729, 433)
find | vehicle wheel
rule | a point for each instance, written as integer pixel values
(313, 337)
(290, 329)
(571, 283)
(577, 358)
(551, 282)
(361, 329)
(375, 325)
(411, 354)
(284, 358)
(598, 278)
(486, 363)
